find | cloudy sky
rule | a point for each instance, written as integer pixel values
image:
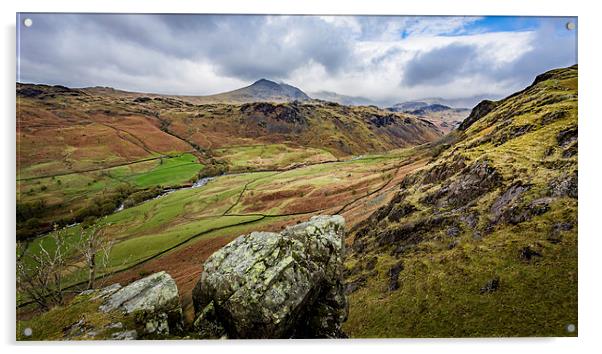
(383, 58)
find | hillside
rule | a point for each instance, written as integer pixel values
(82, 152)
(444, 117)
(260, 91)
(482, 241)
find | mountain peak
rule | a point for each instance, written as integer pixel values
(267, 90)
(266, 82)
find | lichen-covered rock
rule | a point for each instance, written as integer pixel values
(153, 301)
(145, 309)
(277, 285)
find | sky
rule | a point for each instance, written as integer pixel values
(387, 59)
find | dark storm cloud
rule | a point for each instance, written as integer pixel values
(250, 48)
(441, 65)
(245, 47)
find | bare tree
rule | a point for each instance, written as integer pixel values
(95, 248)
(40, 275)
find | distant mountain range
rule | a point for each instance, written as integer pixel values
(444, 117)
(264, 90)
(464, 102)
(260, 91)
(407, 105)
(344, 99)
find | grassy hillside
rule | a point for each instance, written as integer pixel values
(483, 240)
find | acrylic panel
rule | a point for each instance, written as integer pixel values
(193, 176)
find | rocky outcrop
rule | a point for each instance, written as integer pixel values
(148, 308)
(565, 186)
(478, 112)
(382, 120)
(153, 301)
(474, 181)
(503, 207)
(286, 113)
(276, 285)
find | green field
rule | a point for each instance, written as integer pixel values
(169, 172)
(272, 156)
(66, 197)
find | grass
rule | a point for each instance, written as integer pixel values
(170, 172)
(439, 293)
(132, 251)
(270, 156)
(52, 324)
(66, 195)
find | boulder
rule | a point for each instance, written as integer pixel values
(145, 309)
(153, 301)
(277, 285)
(491, 286)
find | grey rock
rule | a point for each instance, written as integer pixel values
(565, 186)
(555, 235)
(472, 182)
(528, 254)
(526, 212)
(453, 231)
(125, 335)
(491, 286)
(106, 291)
(401, 210)
(478, 112)
(508, 199)
(356, 284)
(154, 302)
(394, 276)
(278, 285)
(443, 171)
(206, 324)
(566, 137)
(116, 325)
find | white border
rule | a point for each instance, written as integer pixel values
(590, 121)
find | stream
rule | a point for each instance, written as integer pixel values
(200, 183)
